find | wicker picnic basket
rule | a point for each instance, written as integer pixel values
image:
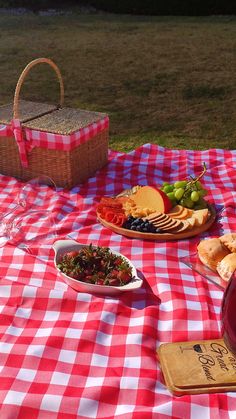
(66, 144)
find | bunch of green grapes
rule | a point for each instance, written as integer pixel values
(188, 193)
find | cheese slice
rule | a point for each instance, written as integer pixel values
(177, 210)
(201, 216)
(183, 215)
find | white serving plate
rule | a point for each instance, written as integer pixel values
(62, 246)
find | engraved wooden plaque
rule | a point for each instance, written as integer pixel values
(197, 367)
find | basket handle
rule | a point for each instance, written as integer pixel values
(22, 78)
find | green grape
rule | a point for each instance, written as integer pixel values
(165, 184)
(168, 188)
(179, 193)
(187, 202)
(194, 196)
(202, 193)
(171, 196)
(199, 185)
(180, 184)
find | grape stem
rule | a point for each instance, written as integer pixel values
(195, 180)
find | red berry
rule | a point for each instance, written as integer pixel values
(114, 281)
(72, 254)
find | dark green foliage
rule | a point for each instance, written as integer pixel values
(138, 7)
(167, 7)
(36, 5)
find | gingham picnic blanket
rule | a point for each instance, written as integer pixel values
(65, 354)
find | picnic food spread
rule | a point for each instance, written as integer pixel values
(177, 210)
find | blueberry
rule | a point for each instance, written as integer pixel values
(127, 226)
(138, 228)
(133, 227)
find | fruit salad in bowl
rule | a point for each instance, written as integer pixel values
(95, 269)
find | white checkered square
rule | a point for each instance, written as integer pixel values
(5, 291)
(60, 378)
(26, 375)
(73, 333)
(35, 350)
(163, 287)
(165, 325)
(134, 338)
(14, 397)
(23, 312)
(5, 347)
(94, 382)
(216, 294)
(129, 383)
(80, 317)
(193, 305)
(50, 137)
(14, 331)
(99, 360)
(167, 306)
(198, 411)
(103, 339)
(67, 356)
(194, 325)
(35, 135)
(29, 291)
(51, 403)
(40, 267)
(57, 294)
(36, 282)
(43, 332)
(136, 321)
(132, 362)
(87, 408)
(124, 409)
(83, 297)
(190, 291)
(51, 316)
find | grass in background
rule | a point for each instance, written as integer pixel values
(165, 80)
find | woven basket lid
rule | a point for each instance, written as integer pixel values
(64, 121)
(28, 110)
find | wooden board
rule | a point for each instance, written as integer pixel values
(197, 367)
(164, 236)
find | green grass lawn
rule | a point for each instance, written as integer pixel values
(165, 80)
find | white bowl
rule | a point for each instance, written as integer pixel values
(62, 246)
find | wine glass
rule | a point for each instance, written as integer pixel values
(27, 220)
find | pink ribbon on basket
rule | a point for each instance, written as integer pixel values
(19, 137)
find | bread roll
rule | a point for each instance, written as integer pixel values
(227, 266)
(229, 241)
(211, 252)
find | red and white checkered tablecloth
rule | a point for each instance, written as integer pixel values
(65, 354)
